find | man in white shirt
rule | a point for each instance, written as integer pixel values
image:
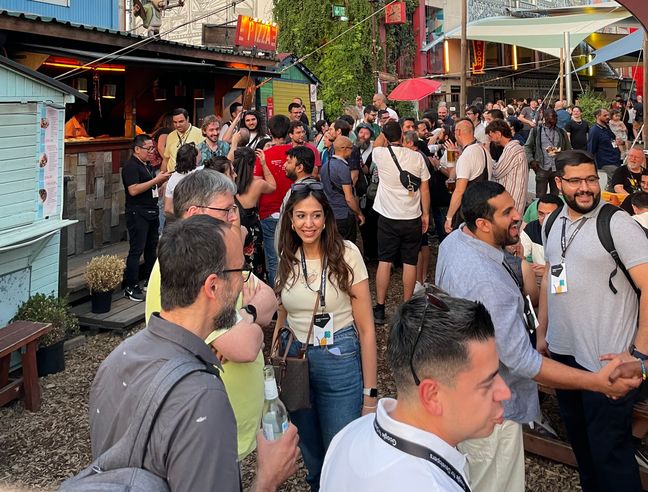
(380, 101)
(446, 369)
(404, 213)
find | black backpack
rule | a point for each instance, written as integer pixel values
(605, 236)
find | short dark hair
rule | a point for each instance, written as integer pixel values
(343, 126)
(551, 199)
(294, 105)
(279, 125)
(370, 108)
(295, 124)
(423, 122)
(474, 202)
(189, 251)
(234, 106)
(382, 112)
(320, 124)
(180, 111)
(402, 121)
(392, 131)
(140, 140)
(599, 111)
(572, 158)
(348, 118)
(496, 114)
(475, 110)
(639, 200)
(304, 156)
(441, 352)
(501, 126)
(186, 158)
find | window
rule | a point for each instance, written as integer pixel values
(61, 3)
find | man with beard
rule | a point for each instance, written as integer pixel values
(472, 265)
(585, 318)
(214, 145)
(603, 144)
(370, 114)
(511, 169)
(254, 123)
(364, 147)
(192, 444)
(297, 135)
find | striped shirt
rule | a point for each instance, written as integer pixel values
(512, 172)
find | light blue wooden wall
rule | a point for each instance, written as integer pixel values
(98, 13)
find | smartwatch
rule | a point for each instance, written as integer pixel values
(251, 310)
(371, 392)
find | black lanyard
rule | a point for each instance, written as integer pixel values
(529, 319)
(322, 289)
(181, 142)
(564, 244)
(422, 452)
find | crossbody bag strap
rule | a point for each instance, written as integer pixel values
(391, 151)
(302, 352)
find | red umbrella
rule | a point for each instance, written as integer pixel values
(414, 89)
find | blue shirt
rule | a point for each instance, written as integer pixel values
(471, 269)
(599, 144)
(336, 173)
(222, 149)
(562, 118)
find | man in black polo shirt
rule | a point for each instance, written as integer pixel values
(141, 186)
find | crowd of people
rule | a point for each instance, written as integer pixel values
(257, 224)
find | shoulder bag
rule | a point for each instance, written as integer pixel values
(407, 179)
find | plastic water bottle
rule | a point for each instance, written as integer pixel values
(275, 416)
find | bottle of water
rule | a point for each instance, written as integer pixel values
(275, 415)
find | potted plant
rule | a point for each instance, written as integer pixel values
(50, 358)
(103, 274)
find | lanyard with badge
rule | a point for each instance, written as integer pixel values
(530, 318)
(422, 452)
(322, 322)
(182, 141)
(559, 272)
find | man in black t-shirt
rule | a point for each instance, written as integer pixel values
(141, 186)
(627, 179)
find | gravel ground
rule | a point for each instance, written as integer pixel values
(41, 449)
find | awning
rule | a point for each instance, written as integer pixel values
(545, 34)
(632, 43)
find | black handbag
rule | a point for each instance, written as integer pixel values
(291, 372)
(411, 182)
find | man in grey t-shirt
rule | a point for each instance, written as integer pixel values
(471, 265)
(193, 440)
(586, 319)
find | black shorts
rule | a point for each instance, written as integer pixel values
(399, 239)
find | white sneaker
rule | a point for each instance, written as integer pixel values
(418, 287)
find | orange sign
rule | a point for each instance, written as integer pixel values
(395, 13)
(252, 33)
(479, 57)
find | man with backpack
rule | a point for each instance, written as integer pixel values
(588, 310)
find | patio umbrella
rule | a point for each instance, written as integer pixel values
(414, 89)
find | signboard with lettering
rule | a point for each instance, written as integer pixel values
(479, 57)
(395, 13)
(252, 33)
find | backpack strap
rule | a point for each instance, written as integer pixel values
(130, 450)
(605, 236)
(549, 221)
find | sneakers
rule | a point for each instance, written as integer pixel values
(134, 293)
(379, 314)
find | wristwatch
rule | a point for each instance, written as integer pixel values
(635, 353)
(371, 392)
(251, 310)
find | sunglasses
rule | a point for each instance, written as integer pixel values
(313, 186)
(436, 301)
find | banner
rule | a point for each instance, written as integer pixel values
(396, 13)
(479, 57)
(48, 163)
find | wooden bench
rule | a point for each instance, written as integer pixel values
(14, 337)
(562, 452)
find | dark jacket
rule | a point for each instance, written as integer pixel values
(533, 145)
(599, 144)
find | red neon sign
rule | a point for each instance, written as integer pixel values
(251, 33)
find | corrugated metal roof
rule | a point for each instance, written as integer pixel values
(134, 37)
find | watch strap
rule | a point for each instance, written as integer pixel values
(635, 353)
(371, 392)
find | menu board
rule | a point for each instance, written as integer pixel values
(48, 163)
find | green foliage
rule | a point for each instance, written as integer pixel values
(589, 102)
(345, 67)
(50, 309)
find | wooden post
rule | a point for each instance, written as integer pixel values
(463, 96)
(30, 378)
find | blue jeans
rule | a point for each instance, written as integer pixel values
(268, 226)
(336, 397)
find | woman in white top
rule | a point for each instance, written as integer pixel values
(186, 161)
(317, 265)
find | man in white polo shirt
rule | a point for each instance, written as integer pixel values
(445, 366)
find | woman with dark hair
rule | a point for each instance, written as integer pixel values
(222, 165)
(247, 198)
(321, 126)
(186, 162)
(323, 284)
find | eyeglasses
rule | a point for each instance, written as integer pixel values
(589, 181)
(147, 149)
(437, 302)
(312, 186)
(245, 271)
(231, 211)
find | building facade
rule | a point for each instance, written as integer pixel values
(106, 14)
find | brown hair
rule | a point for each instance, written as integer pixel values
(340, 273)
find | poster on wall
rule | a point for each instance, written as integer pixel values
(47, 162)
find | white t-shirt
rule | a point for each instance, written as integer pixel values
(298, 300)
(175, 178)
(392, 199)
(392, 114)
(470, 164)
(358, 460)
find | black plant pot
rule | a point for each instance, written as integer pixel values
(50, 359)
(101, 302)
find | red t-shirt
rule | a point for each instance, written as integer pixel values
(318, 161)
(270, 203)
